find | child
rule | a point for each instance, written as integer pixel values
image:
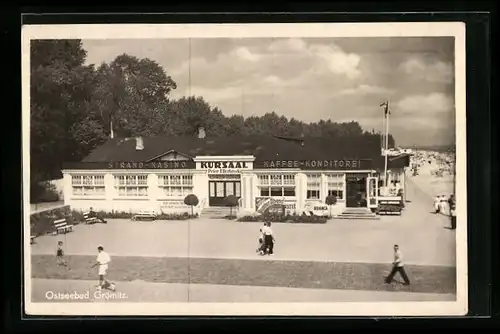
(260, 250)
(60, 255)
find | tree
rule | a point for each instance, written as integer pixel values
(231, 201)
(131, 95)
(61, 90)
(331, 200)
(192, 201)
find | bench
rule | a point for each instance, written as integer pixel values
(145, 214)
(62, 226)
(90, 220)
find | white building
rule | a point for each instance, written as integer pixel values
(157, 173)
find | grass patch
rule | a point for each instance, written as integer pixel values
(296, 274)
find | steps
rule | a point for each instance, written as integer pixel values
(357, 213)
(217, 212)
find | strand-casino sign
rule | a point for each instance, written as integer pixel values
(340, 164)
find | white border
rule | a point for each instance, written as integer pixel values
(304, 30)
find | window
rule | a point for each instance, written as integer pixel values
(175, 185)
(131, 185)
(88, 185)
(336, 185)
(313, 186)
(277, 185)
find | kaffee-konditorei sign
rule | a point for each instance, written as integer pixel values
(343, 164)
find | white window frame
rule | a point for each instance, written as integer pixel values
(313, 191)
(175, 185)
(131, 185)
(272, 182)
(88, 185)
(336, 185)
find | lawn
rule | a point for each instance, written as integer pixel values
(272, 273)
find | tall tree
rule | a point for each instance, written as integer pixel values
(60, 103)
(132, 94)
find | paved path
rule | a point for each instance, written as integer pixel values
(422, 236)
(139, 291)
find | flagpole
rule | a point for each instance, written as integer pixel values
(111, 133)
(387, 113)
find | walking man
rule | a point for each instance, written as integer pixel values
(398, 266)
(103, 259)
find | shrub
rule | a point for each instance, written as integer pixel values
(176, 216)
(331, 200)
(42, 222)
(192, 201)
(294, 219)
(43, 192)
(231, 201)
(250, 219)
(230, 217)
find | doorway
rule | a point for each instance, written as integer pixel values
(356, 191)
(218, 190)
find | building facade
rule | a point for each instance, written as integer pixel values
(128, 175)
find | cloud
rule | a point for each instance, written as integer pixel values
(321, 56)
(365, 90)
(435, 71)
(245, 54)
(426, 105)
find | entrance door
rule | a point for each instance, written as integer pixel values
(218, 190)
(356, 191)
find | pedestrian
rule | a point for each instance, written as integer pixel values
(437, 201)
(60, 255)
(103, 259)
(267, 232)
(453, 217)
(398, 266)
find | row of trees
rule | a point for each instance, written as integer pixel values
(74, 106)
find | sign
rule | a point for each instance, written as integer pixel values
(224, 167)
(318, 208)
(132, 165)
(262, 204)
(389, 207)
(342, 164)
(173, 204)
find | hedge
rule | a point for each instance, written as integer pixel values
(293, 219)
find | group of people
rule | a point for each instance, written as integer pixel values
(102, 261)
(446, 206)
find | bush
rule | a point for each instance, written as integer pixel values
(231, 201)
(42, 222)
(294, 219)
(43, 192)
(230, 217)
(176, 216)
(192, 201)
(250, 219)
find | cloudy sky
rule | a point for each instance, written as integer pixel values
(341, 79)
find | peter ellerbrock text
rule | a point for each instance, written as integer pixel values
(316, 164)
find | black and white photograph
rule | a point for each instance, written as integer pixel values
(237, 169)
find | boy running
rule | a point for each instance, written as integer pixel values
(102, 261)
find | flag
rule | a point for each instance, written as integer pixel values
(386, 107)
